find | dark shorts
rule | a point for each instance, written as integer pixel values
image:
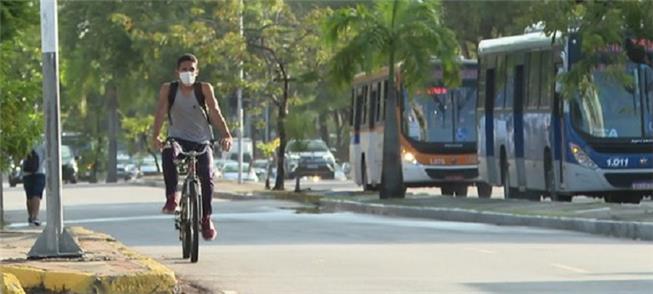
(34, 185)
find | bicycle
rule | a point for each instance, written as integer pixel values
(187, 218)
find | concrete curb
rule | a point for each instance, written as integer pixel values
(155, 279)
(10, 284)
(621, 229)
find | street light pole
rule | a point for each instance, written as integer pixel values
(239, 95)
(53, 241)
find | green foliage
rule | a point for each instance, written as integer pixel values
(297, 125)
(268, 148)
(136, 131)
(599, 24)
(21, 116)
(411, 32)
(473, 21)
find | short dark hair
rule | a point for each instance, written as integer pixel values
(186, 57)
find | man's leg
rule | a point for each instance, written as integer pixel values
(170, 177)
(35, 205)
(205, 173)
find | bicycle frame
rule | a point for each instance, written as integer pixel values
(188, 217)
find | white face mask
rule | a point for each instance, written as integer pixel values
(187, 77)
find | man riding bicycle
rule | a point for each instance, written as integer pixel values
(191, 109)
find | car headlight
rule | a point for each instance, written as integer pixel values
(409, 158)
(581, 157)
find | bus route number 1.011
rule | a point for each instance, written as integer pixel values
(617, 162)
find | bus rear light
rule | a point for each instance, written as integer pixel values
(581, 157)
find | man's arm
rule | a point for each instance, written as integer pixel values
(215, 115)
(159, 115)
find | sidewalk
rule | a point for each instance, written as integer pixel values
(107, 266)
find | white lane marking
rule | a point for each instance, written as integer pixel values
(480, 250)
(600, 209)
(101, 220)
(229, 292)
(570, 268)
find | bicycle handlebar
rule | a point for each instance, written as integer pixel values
(170, 142)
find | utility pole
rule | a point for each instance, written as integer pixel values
(53, 241)
(239, 95)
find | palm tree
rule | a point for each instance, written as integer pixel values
(406, 31)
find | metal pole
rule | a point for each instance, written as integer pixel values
(53, 241)
(239, 94)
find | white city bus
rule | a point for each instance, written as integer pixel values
(535, 141)
(437, 131)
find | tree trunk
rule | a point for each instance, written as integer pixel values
(392, 179)
(324, 129)
(253, 134)
(112, 108)
(342, 149)
(281, 120)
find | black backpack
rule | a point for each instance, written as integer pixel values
(199, 95)
(31, 163)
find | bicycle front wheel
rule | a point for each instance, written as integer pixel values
(194, 221)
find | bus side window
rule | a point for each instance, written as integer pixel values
(546, 88)
(500, 82)
(534, 69)
(510, 94)
(373, 104)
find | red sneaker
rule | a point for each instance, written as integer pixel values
(170, 206)
(208, 230)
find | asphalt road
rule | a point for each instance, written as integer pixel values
(277, 247)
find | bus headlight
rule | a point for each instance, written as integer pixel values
(409, 157)
(581, 157)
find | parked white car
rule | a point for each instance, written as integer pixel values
(230, 172)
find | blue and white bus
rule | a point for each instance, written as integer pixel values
(536, 141)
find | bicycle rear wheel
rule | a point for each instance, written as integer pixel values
(195, 212)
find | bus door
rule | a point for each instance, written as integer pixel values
(518, 119)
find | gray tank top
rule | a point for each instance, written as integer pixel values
(188, 120)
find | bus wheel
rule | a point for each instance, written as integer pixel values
(484, 190)
(549, 178)
(460, 190)
(447, 189)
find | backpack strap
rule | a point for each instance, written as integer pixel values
(201, 100)
(172, 93)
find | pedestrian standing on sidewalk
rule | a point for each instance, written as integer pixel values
(191, 108)
(33, 168)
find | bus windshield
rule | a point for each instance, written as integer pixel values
(614, 109)
(442, 115)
